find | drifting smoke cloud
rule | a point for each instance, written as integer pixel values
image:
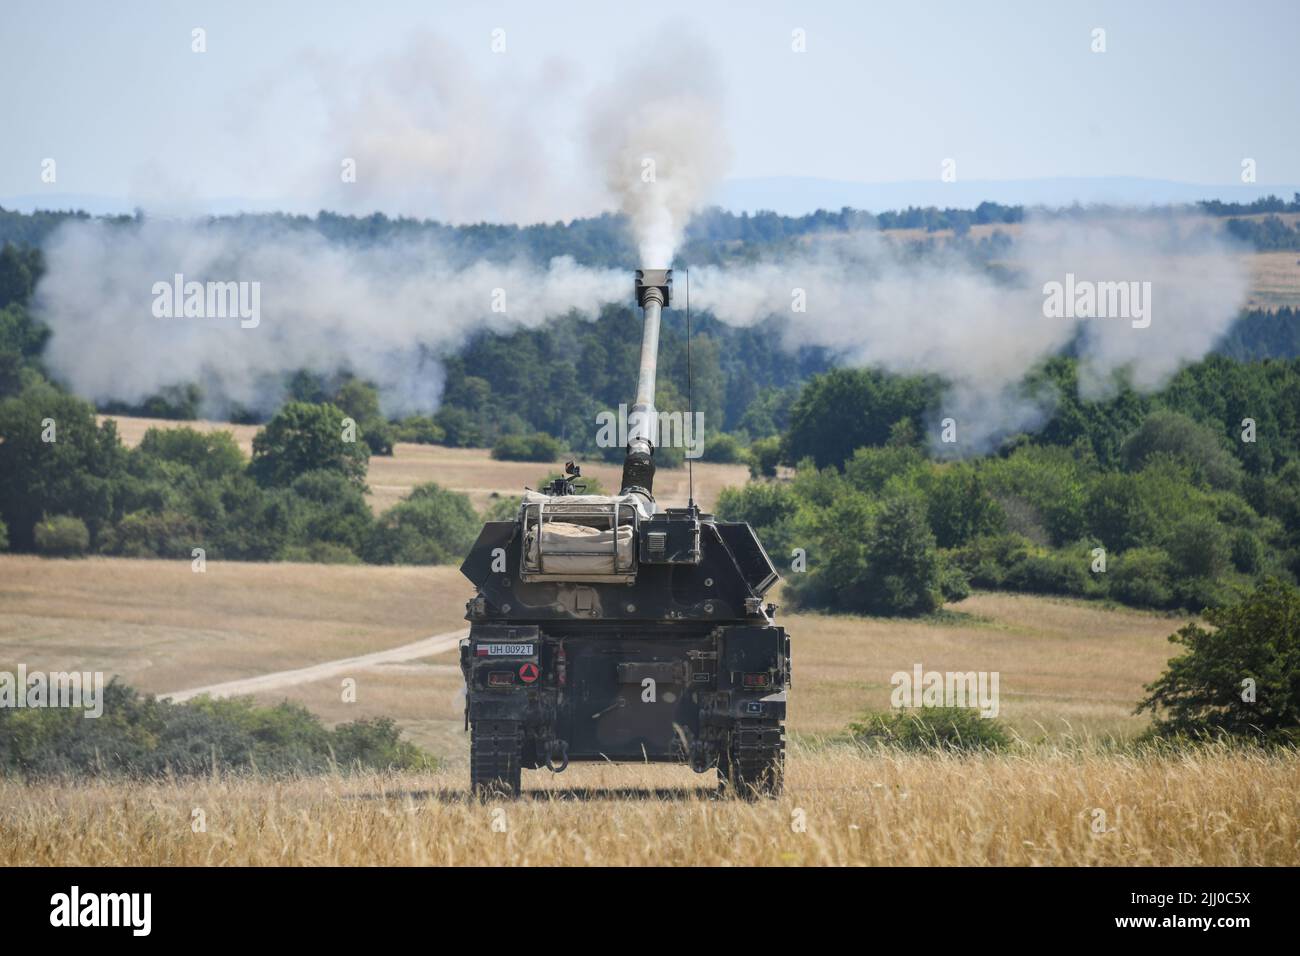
(385, 312)
(658, 133)
(434, 133)
(424, 128)
(875, 305)
(427, 132)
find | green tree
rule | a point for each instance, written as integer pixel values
(1202, 450)
(62, 536)
(874, 561)
(1239, 677)
(212, 455)
(1118, 513)
(535, 447)
(960, 507)
(360, 401)
(325, 507)
(764, 455)
(845, 409)
(55, 459)
(432, 526)
(303, 437)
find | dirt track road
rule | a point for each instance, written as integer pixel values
(427, 647)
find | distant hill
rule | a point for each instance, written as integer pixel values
(793, 195)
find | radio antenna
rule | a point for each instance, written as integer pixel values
(690, 398)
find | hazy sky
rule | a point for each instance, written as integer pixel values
(884, 92)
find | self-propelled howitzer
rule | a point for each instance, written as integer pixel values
(604, 627)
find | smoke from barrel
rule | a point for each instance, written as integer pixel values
(653, 294)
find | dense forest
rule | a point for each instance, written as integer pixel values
(1161, 500)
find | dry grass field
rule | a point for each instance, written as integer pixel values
(1275, 280)
(1274, 276)
(841, 806)
(1070, 673)
(1067, 668)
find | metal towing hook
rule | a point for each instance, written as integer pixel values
(557, 752)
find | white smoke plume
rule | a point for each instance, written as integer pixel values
(435, 135)
(658, 133)
(434, 132)
(389, 311)
(868, 300)
(385, 312)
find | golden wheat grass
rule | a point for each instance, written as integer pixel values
(843, 806)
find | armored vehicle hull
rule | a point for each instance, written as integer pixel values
(604, 628)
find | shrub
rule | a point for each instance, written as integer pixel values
(1199, 547)
(432, 526)
(1118, 513)
(933, 728)
(378, 436)
(460, 429)
(871, 469)
(141, 736)
(62, 536)
(211, 455)
(1043, 485)
(1141, 576)
(143, 534)
(1196, 594)
(961, 508)
(538, 446)
(1203, 692)
(1057, 572)
(724, 449)
(419, 430)
(986, 561)
(878, 563)
(953, 583)
(325, 507)
(763, 456)
(319, 552)
(4, 536)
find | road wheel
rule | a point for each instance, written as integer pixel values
(495, 758)
(753, 764)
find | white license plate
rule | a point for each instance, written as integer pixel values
(508, 650)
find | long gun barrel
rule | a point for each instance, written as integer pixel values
(653, 293)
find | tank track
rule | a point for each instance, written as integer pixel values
(495, 758)
(753, 764)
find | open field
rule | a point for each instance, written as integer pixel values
(855, 807)
(1274, 276)
(1070, 674)
(1066, 668)
(1275, 280)
(469, 470)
